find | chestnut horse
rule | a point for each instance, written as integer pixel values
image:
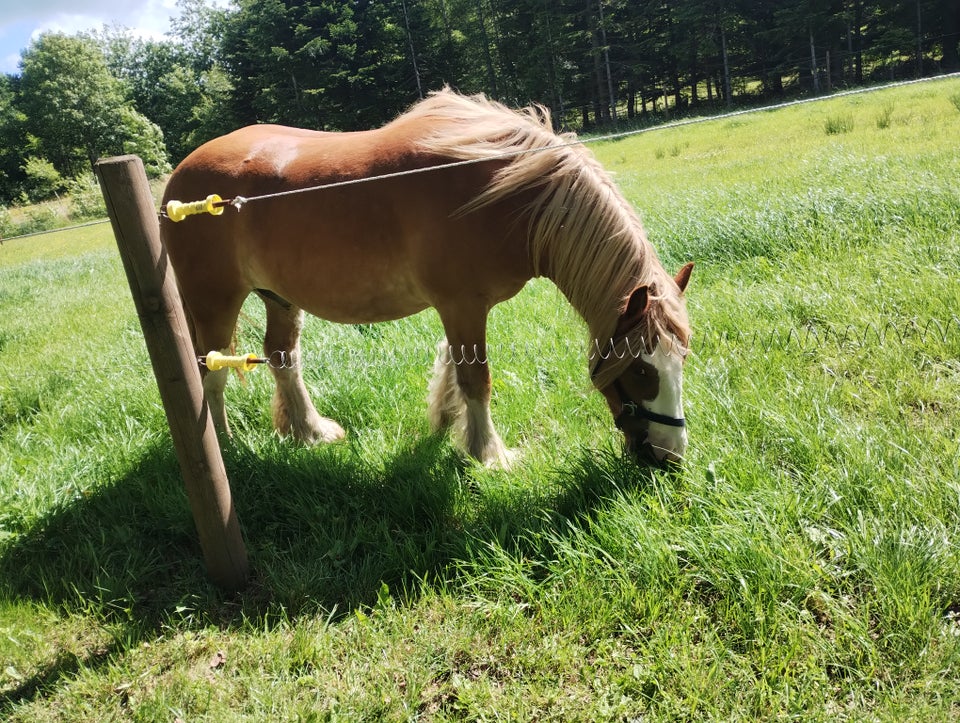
(511, 200)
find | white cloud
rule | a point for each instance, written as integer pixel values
(35, 11)
(22, 21)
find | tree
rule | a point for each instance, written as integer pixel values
(946, 16)
(157, 78)
(178, 83)
(78, 111)
(13, 141)
(325, 64)
(198, 31)
(43, 181)
(276, 50)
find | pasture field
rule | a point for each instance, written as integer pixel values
(803, 563)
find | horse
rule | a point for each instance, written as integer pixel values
(455, 204)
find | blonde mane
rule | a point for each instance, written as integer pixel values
(583, 233)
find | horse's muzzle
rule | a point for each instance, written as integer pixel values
(646, 453)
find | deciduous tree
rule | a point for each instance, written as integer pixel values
(78, 111)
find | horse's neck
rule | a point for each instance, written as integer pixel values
(598, 304)
(593, 247)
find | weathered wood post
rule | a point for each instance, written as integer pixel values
(157, 299)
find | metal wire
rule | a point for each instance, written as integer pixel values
(804, 339)
(239, 201)
(817, 337)
(807, 339)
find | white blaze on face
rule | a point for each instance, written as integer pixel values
(667, 442)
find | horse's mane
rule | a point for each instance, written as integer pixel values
(582, 229)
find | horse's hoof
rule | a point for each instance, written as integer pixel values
(501, 458)
(326, 431)
(316, 430)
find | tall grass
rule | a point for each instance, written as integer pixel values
(803, 563)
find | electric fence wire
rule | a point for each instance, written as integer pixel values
(924, 336)
(241, 200)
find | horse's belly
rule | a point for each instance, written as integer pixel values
(345, 288)
(362, 306)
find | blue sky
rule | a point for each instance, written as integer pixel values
(23, 20)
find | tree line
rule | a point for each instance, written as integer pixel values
(337, 65)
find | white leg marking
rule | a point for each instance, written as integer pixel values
(293, 411)
(480, 439)
(445, 401)
(213, 386)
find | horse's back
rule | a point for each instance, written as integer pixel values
(261, 157)
(361, 252)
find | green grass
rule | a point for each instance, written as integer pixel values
(835, 125)
(802, 564)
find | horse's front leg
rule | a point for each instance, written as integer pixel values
(293, 411)
(463, 361)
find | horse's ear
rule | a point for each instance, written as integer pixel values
(683, 276)
(636, 306)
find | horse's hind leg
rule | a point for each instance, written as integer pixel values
(293, 412)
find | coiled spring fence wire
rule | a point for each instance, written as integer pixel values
(366, 355)
(817, 337)
(807, 339)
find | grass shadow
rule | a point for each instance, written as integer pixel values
(130, 550)
(325, 530)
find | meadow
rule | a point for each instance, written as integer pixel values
(803, 562)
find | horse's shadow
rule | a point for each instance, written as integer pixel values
(325, 531)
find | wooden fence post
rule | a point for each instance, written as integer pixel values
(157, 299)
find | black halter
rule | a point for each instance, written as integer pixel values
(629, 409)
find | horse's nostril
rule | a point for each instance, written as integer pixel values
(671, 459)
(648, 453)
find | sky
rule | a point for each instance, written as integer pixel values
(23, 20)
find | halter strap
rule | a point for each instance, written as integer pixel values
(630, 408)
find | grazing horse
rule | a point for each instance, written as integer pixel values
(501, 199)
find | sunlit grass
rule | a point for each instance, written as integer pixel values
(54, 245)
